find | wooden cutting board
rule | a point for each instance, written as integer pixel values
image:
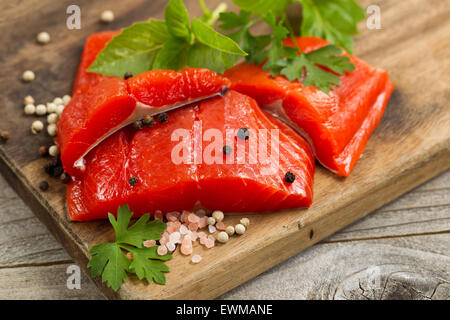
(411, 145)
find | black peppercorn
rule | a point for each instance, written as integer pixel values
(227, 150)
(138, 125)
(43, 151)
(162, 117)
(65, 178)
(57, 171)
(289, 177)
(43, 185)
(133, 181)
(127, 75)
(148, 120)
(243, 134)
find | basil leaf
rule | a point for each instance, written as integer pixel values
(177, 19)
(263, 6)
(133, 51)
(333, 20)
(213, 39)
(231, 20)
(203, 56)
(172, 55)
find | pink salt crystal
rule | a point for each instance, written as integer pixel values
(209, 243)
(183, 215)
(175, 237)
(196, 258)
(172, 218)
(193, 226)
(171, 227)
(211, 237)
(192, 218)
(194, 236)
(203, 222)
(211, 229)
(186, 245)
(164, 238)
(173, 214)
(159, 215)
(162, 250)
(203, 240)
(149, 243)
(220, 225)
(130, 255)
(201, 234)
(171, 246)
(183, 229)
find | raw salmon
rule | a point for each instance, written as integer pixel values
(102, 105)
(172, 175)
(337, 124)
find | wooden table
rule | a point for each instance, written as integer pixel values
(401, 251)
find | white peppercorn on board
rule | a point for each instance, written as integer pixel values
(411, 144)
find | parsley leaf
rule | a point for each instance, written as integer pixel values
(133, 51)
(333, 20)
(109, 260)
(310, 65)
(145, 264)
(263, 6)
(139, 231)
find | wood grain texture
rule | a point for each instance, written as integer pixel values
(310, 274)
(411, 145)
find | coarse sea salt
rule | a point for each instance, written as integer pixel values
(196, 258)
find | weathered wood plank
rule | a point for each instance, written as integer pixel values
(405, 268)
(411, 144)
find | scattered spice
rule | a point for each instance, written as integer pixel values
(230, 230)
(245, 222)
(222, 237)
(243, 134)
(28, 76)
(127, 75)
(65, 178)
(138, 125)
(289, 177)
(53, 150)
(57, 171)
(41, 109)
(148, 121)
(43, 151)
(133, 181)
(224, 91)
(211, 221)
(239, 228)
(107, 16)
(162, 117)
(51, 129)
(43, 37)
(29, 109)
(4, 135)
(28, 100)
(52, 108)
(37, 127)
(227, 150)
(218, 215)
(43, 185)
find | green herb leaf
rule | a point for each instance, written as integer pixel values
(311, 65)
(203, 56)
(178, 21)
(139, 231)
(210, 37)
(334, 20)
(133, 51)
(145, 264)
(230, 20)
(172, 55)
(276, 51)
(263, 6)
(158, 31)
(109, 260)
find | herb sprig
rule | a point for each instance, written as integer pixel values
(178, 41)
(109, 260)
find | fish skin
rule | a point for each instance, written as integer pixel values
(164, 185)
(338, 124)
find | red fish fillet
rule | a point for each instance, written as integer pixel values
(101, 105)
(167, 185)
(337, 124)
